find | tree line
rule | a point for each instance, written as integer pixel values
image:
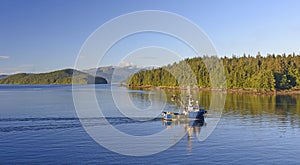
(267, 73)
(66, 76)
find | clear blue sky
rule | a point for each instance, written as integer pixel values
(45, 35)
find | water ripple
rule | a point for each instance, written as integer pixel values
(35, 124)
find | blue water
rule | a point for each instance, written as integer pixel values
(39, 124)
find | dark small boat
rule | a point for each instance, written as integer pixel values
(169, 116)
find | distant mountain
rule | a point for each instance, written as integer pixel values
(114, 74)
(64, 76)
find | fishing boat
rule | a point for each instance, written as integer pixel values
(190, 112)
(194, 112)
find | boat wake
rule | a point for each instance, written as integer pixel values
(52, 123)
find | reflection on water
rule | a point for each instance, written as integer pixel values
(283, 111)
(275, 108)
(191, 127)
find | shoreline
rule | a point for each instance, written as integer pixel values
(230, 91)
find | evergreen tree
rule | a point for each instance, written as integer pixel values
(273, 72)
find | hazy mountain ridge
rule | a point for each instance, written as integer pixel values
(115, 74)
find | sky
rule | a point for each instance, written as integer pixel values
(46, 35)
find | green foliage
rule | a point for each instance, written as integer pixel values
(268, 73)
(66, 76)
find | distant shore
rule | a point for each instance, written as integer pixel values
(234, 90)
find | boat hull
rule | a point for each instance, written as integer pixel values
(198, 115)
(169, 116)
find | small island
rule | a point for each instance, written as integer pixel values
(65, 76)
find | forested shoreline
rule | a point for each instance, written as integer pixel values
(260, 73)
(65, 76)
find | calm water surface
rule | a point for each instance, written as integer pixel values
(38, 124)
